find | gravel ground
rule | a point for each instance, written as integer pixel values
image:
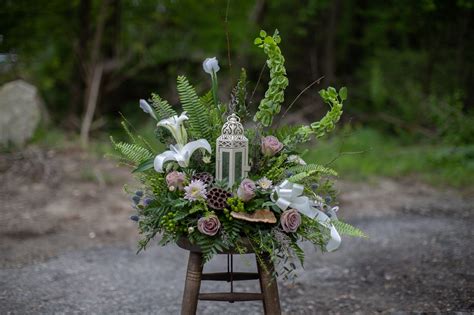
(74, 251)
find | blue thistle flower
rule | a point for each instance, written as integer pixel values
(328, 199)
(147, 201)
(314, 186)
(136, 199)
(134, 218)
(139, 193)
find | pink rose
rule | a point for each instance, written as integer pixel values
(209, 225)
(176, 179)
(271, 146)
(246, 190)
(290, 220)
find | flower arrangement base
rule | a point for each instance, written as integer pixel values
(194, 276)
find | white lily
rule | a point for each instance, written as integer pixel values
(211, 65)
(180, 154)
(175, 126)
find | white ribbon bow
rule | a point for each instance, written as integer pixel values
(290, 195)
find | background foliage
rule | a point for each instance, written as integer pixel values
(408, 64)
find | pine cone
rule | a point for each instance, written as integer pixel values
(205, 177)
(217, 198)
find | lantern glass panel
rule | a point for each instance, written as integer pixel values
(225, 165)
(238, 166)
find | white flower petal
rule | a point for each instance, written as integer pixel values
(147, 108)
(162, 158)
(211, 65)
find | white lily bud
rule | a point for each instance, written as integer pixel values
(210, 65)
(147, 108)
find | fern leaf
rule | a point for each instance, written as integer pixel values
(198, 114)
(299, 177)
(132, 152)
(347, 229)
(162, 107)
(315, 168)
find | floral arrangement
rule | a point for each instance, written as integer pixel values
(221, 183)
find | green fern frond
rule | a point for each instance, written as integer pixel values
(215, 116)
(298, 252)
(127, 131)
(198, 114)
(299, 177)
(162, 107)
(131, 152)
(316, 168)
(347, 229)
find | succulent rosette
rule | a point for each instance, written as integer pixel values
(219, 182)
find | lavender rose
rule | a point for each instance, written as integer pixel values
(209, 225)
(271, 146)
(176, 180)
(246, 190)
(290, 220)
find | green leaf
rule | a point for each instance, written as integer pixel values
(146, 165)
(332, 91)
(343, 93)
(263, 33)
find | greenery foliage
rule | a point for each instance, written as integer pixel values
(270, 105)
(177, 210)
(198, 113)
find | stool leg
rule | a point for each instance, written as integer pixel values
(268, 285)
(192, 284)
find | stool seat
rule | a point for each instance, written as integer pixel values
(194, 276)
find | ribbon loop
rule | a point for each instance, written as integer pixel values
(290, 195)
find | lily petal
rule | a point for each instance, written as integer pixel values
(194, 145)
(162, 158)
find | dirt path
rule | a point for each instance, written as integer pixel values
(66, 245)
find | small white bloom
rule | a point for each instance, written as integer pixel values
(190, 229)
(147, 108)
(264, 183)
(172, 188)
(296, 159)
(210, 65)
(206, 159)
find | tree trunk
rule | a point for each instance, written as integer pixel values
(81, 47)
(91, 104)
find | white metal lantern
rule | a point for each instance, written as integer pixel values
(232, 152)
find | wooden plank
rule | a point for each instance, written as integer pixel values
(231, 297)
(224, 276)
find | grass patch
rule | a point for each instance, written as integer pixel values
(363, 153)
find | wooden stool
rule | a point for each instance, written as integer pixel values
(194, 275)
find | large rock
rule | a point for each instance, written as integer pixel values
(20, 112)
